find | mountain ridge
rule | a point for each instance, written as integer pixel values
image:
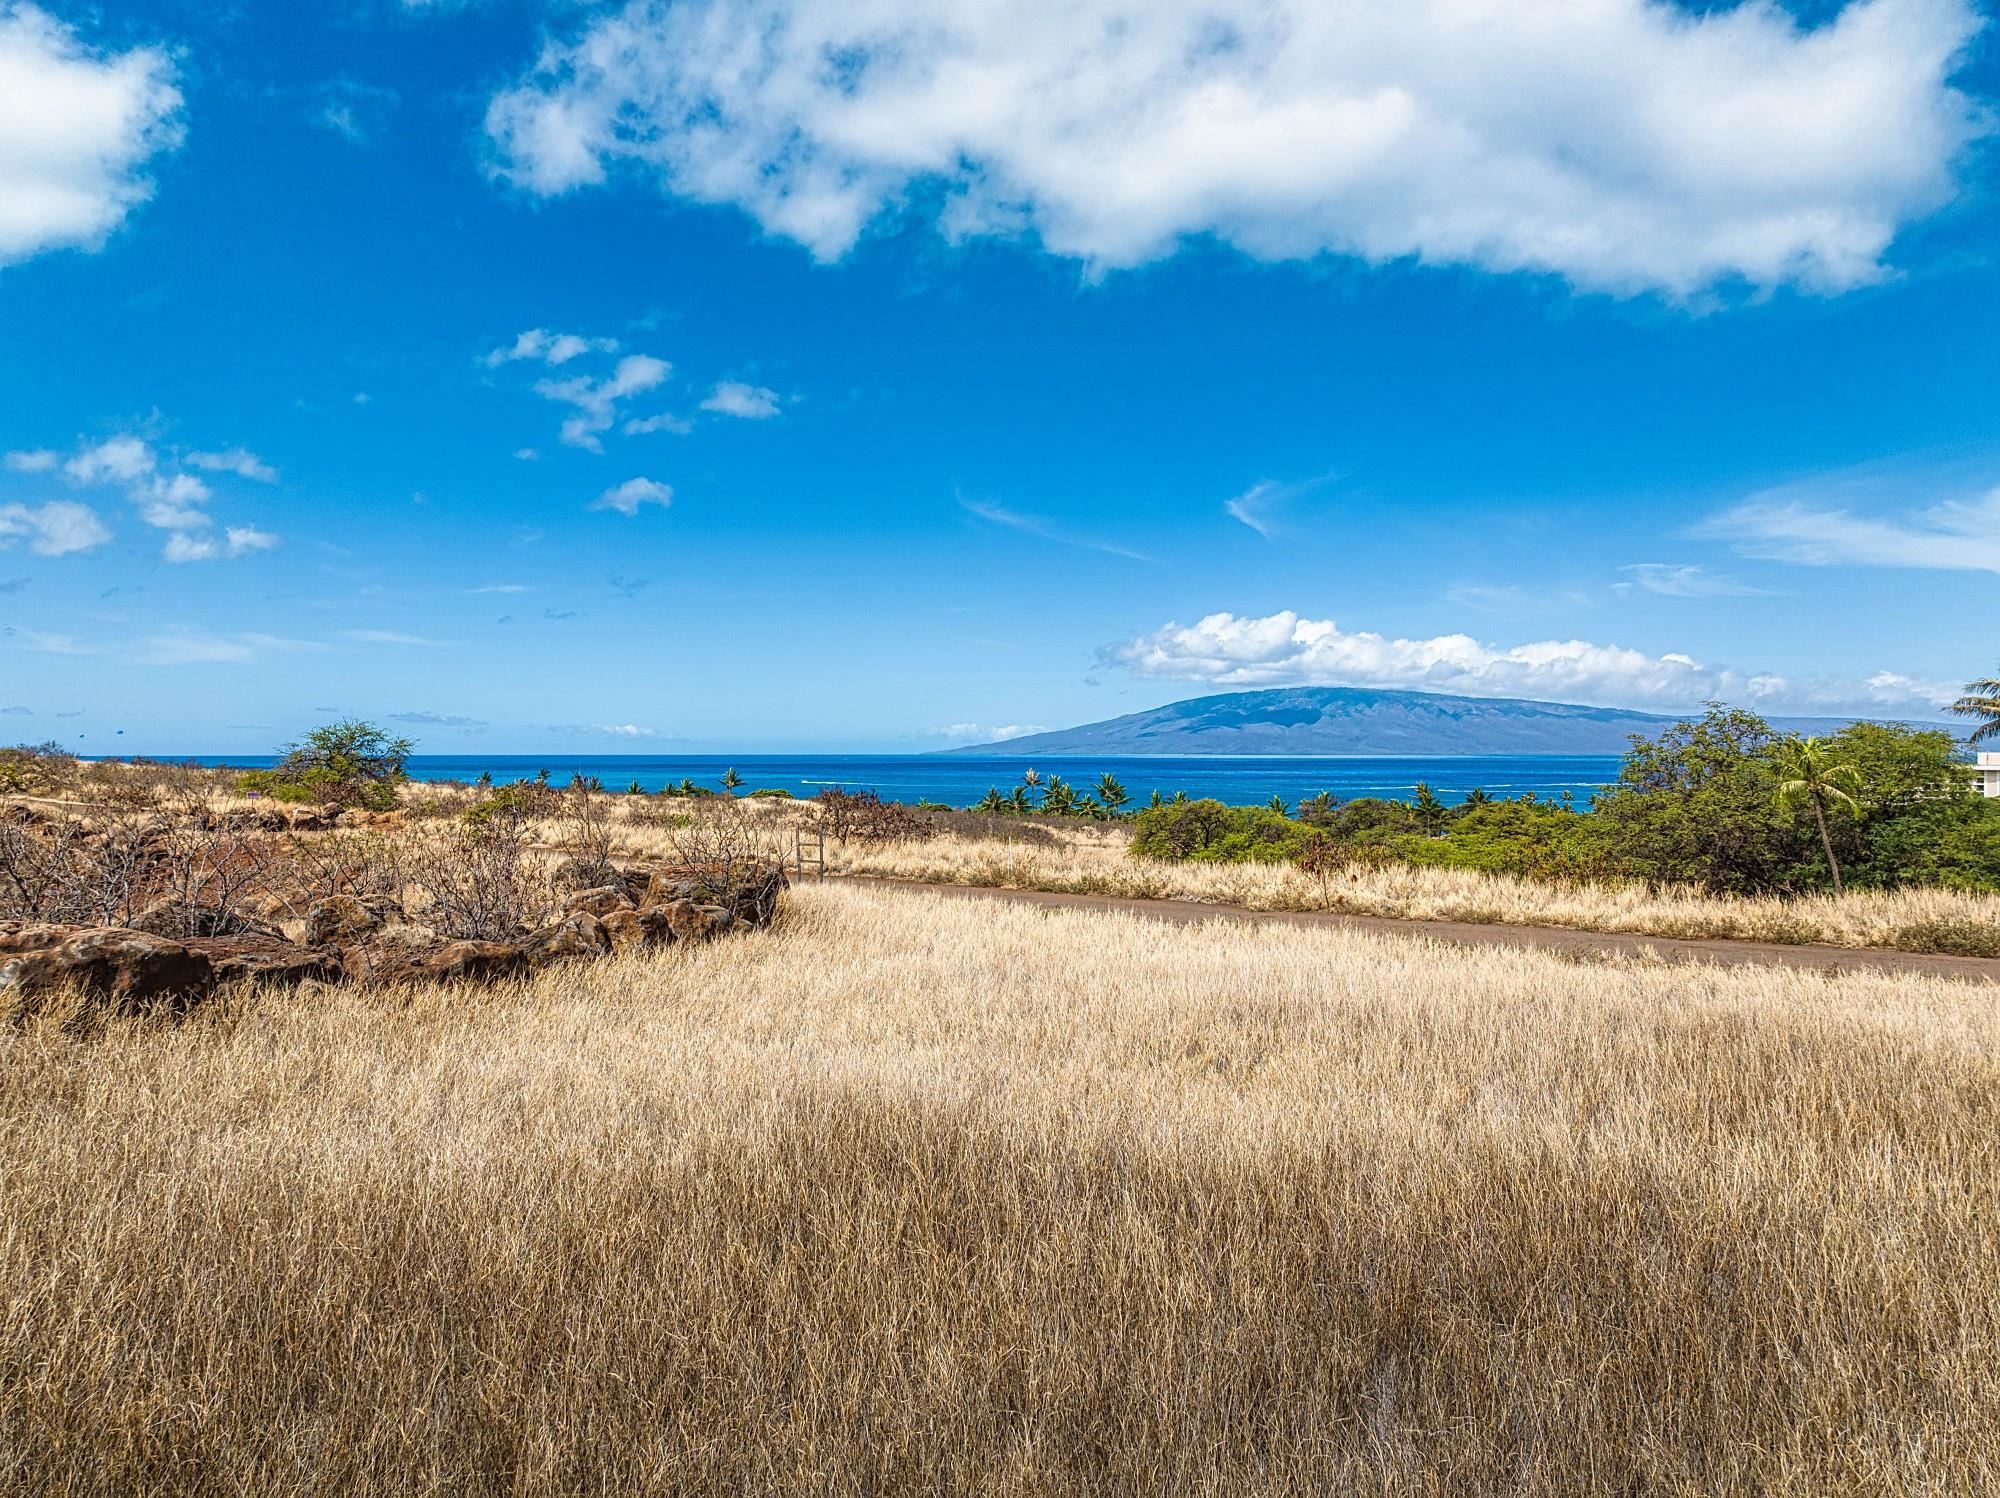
(1361, 720)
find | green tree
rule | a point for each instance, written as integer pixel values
(485, 780)
(1111, 793)
(1059, 799)
(1277, 804)
(635, 789)
(731, 780)
(1696, 806)
(1317, 811)
(1019, 800)
(1981, 701)
(1430, 812)
(993, 803)
(350, 763)
(1809, 774)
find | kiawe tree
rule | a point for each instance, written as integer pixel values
(1808, 774)
(350, 763)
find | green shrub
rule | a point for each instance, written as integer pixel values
(1955, 938)
(1209, 832)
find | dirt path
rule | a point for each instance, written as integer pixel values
(1560, 939)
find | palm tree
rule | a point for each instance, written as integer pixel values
(1110, 793)
(485, 780)
(1277, 804)
(993, 803)
(731, 780)
(1019, 800)
(1477, 796)
(1158, 800)
(635, 789)
(1430, 811)
(1807, 773)
(1059, 800)
(1982, 701)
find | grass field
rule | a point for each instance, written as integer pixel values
(919, 1196)
(1095, 859)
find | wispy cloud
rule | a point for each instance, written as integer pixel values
(34, 460)
(198, 647)
(1046, 530)
(1516, 600)
(436, 720)
(355, 111)
(605, 730)
(1672, 580)
(237, 460)
(1818, 525)
(390, 637)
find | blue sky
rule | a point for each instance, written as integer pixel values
(737, 375)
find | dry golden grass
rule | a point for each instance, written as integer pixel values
(1093, 859)
(921, 1196)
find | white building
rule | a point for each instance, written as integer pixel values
(1987, 771)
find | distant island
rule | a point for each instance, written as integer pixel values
(1360, 720)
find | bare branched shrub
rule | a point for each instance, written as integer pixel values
(865, 817)
(340, 863)
(478, 880)
(724, 849)
(586, 833)
(977, 827)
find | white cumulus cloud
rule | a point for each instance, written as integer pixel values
(36, 460)
(597, 401)
(116, 459)
(1625, 145)
(549, 348)
(627, 497)
(1285, 649)
(77, 127)
(734, 398)
(52, 530)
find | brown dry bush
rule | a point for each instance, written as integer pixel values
(478, 880)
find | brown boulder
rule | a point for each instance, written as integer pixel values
(691, 922)
(749, 892)
(33, 936)
(577, 935)
(129, 970)
(637, 930)
(600, 900)
(243, 960)
(477, 961)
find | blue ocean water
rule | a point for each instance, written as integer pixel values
(960, 780)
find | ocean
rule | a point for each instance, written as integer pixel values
(960, 780)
